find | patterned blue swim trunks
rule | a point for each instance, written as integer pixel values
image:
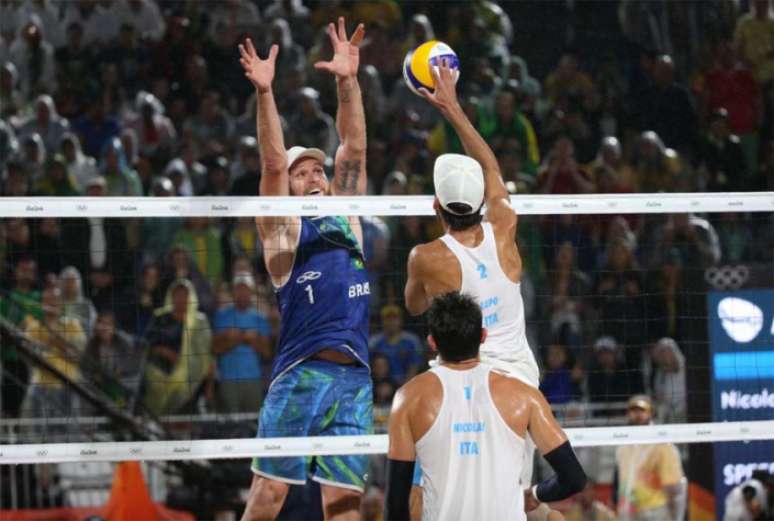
(318, 398)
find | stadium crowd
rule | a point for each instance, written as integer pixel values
(145, 98)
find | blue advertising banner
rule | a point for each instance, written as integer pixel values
(741, 336)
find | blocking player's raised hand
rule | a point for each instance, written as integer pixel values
(444, 95)
(346, 52)
(259, 72)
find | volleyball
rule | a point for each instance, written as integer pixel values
(416, 65)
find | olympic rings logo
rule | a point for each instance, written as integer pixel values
(727, 277)
(307, 276)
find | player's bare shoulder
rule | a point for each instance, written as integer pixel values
(430, 259)
(514, 400)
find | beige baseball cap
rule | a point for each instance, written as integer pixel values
(458, 179)
(298, 153)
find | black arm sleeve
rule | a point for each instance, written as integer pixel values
(614, 491)
(569, 478)
(400, 476)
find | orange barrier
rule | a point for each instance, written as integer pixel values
(129, 501)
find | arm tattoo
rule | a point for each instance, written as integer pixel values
(347, 176)
(344, 93)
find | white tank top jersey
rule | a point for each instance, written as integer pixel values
(502, 307)
(471, 459)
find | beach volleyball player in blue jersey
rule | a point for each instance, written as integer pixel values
(320, 382)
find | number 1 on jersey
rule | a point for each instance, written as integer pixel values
(311, 294)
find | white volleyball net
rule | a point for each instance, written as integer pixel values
(669, 295)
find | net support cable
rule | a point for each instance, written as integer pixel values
(375, 205)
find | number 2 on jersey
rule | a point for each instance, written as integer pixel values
(311, 294)
(481, 271)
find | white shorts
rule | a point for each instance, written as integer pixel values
(523, 367)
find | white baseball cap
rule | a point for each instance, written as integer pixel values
(296, 154)
(458, 179)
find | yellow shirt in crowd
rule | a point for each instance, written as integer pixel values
(68, 329)
(643, 472)
(754, 39)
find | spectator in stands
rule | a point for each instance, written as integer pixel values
(74, 303)
(569, 287)
(34, 58)
(199, 236)
(62, 341)
(384, 385)
(211, 123)
(722, 158)
(18, 245)
(666, 107)
(420, 31)
(49, 17)
(34, 155)
(111, 361)
(75, 63)
(243, 241)
(402, 349)
(232, 18)
(731, 85)
(47, 241)
(130, 143)
(618, 300)
(666, 375)
(120, 178)
(98, 248)
(567, 80)
(99, 24)
(735, 234)
(508, 122)
(22, 299)
(180, 352)
(13, 98)
(649, 169)
(57, 181)
(16, 182)
(155, 132)
(694, 238)
(195, 170)
(140, 302)
(246, 169)
(754, 39)
(45, 122)
(130, 57)
(606, 168)
(562, 377)
(608, 379)
(82, 167)
(12, 16)
(241, 340)
(561, 173)
(587, 507)
(144, 16)
(217, 182)
(649, 481)
(8, 143)
(309, 124)
(180, 265)
(17, 304)
(96, 128)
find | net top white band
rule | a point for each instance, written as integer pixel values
(375, 205)
(324, 445)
